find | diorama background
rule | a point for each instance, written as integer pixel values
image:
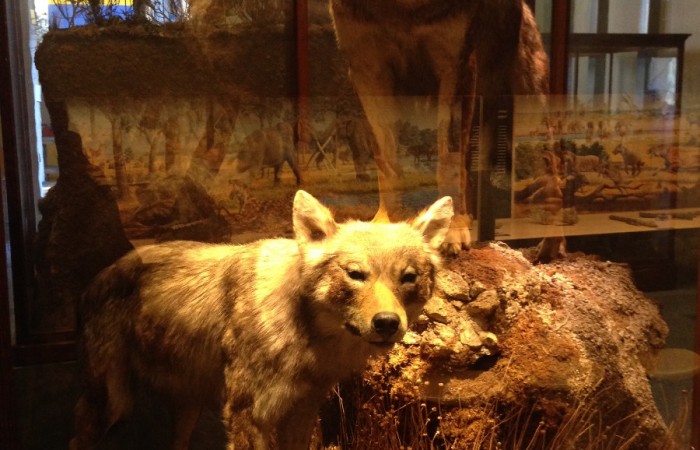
(634, 159)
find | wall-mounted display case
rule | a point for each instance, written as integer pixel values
(646, 68)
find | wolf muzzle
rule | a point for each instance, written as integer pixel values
(386, 324)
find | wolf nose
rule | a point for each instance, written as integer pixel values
(386, 323)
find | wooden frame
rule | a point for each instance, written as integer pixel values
(559, 46)
(695, 412)
(9, 135)
(22, 192)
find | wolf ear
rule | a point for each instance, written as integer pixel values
(434, 222)
(312, 221)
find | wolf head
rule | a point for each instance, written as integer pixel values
(367, 281)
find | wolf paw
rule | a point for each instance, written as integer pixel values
(458, 236)
(550, 249)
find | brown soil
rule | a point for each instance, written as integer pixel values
(509, 355)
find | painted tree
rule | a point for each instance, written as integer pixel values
(151, 125)
(210, 152)
(173, 135)
(115, 111)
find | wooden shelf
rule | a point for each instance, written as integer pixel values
(588, 224)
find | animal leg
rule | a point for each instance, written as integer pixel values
(185, 420)
(120, 401)
(295, 168)
(242, 429)
(277, 170)
(88, 423)
(376, 58)
(294, 431)
(101, 406)
(385, 151)
(452, 162)
(361, 170)
(382, 112)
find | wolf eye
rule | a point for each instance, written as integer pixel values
(355, 272)
(357, 275)
(409, 276)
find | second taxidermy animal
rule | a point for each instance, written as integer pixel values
(448, 49)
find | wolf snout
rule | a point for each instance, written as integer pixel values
(386, 324)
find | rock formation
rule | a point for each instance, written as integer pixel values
(514, 355)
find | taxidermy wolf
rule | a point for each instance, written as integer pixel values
(447, 49)
(265, 329)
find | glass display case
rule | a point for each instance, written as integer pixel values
(645, 67)
(564, 308)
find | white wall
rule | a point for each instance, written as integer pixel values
(627, 16)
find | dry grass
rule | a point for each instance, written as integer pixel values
(395, 419)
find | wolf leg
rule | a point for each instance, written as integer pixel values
(107, 399)
(186, 418)
(120, 400)
(88, 419)
(382, 114)
(242, 430)
(294, 430)
(375, 88)
(95, 414)
(452, 158)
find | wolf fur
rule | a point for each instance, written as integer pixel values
(268, 327)
(443, 48)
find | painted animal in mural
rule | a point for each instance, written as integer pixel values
(588, 163)
(545, 191)
(446, 49)
(356, 134)
(268, 147)
(267, 328)
(631, 162)
(670, 154)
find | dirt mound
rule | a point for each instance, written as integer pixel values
(514, 355)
